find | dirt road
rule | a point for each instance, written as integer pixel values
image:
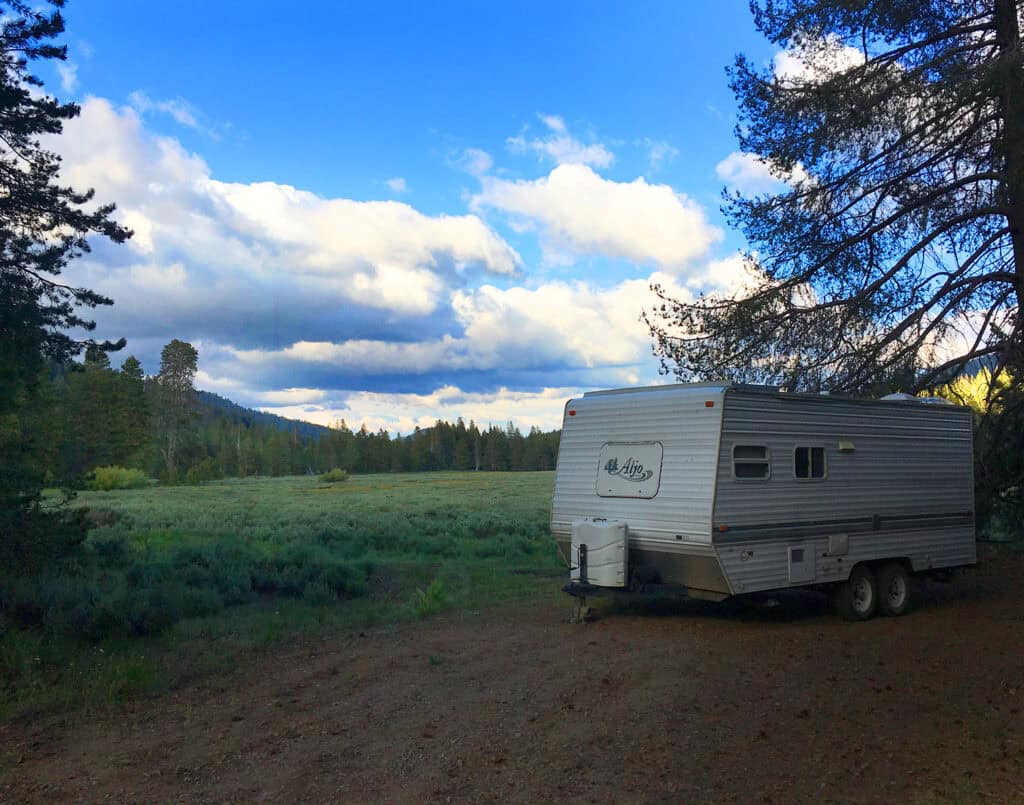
(698, 703)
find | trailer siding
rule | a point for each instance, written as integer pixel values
(755, 566)
(688, 430)
(905, 491)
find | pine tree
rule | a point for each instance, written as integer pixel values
(174, 402)
(133, 411)
(93, 421)
(43, 226)
(901, 137)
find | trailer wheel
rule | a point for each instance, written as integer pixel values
(857, 598)
(893, 589)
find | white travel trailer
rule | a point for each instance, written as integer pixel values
(717, 490)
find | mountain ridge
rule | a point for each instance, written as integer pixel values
(239, 414)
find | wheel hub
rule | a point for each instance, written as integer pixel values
(862, 595)
(897, 591)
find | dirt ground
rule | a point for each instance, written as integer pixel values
(689, 703)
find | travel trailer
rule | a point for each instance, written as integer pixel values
(717, 490)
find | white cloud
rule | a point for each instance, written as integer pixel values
(731, 277)
(815, 61)
(473, 161)
(295, 301)
(554, 122)
(378, 253)
(747, 173)
(369, 356)
(397, 185)
(750, 174)
(658, 153)
(178, 109)
(404, 412)
(582, 213)
(225, 386)
(222, 253)
(533, 326)
(292, 396)
(505, 332)
(68, 73)
(561, 147)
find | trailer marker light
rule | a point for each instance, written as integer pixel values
(723, 528)
(709, 403)
(572, 413)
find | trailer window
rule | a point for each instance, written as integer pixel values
(809, 463)
(750, 462)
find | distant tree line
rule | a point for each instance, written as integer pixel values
(94, 415)
(226, 447)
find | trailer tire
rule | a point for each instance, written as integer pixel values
(857, 598)
(893, 589)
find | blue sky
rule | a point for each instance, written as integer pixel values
(394, 212)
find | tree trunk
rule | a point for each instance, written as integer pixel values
(1011, 101)
(169, 454)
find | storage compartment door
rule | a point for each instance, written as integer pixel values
(801, 563)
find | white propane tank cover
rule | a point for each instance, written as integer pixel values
(604, 552)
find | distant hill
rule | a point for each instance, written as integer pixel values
(217, 405)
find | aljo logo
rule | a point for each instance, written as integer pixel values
(631, 470)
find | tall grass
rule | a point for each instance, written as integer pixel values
(246, 562)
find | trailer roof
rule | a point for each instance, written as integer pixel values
(776, 391)
(719, 387)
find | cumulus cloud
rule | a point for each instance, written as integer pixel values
(750, 174)
(397, 185)
(524, 326)
(328, 307)
(561, 147)
(731, 277)
(580, 213)
(815, 60)
(240, 261)
(520, 334)
(404, 412)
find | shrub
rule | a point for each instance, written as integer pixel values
(318, 594)
(205, 470)
(295, 566)
(429, 601)
(334, 476)
(108, 544)
(106, 479)
(100, 517)
(32, 538)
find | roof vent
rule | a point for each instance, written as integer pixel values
(900, 396)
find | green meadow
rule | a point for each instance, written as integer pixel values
(175, 582)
